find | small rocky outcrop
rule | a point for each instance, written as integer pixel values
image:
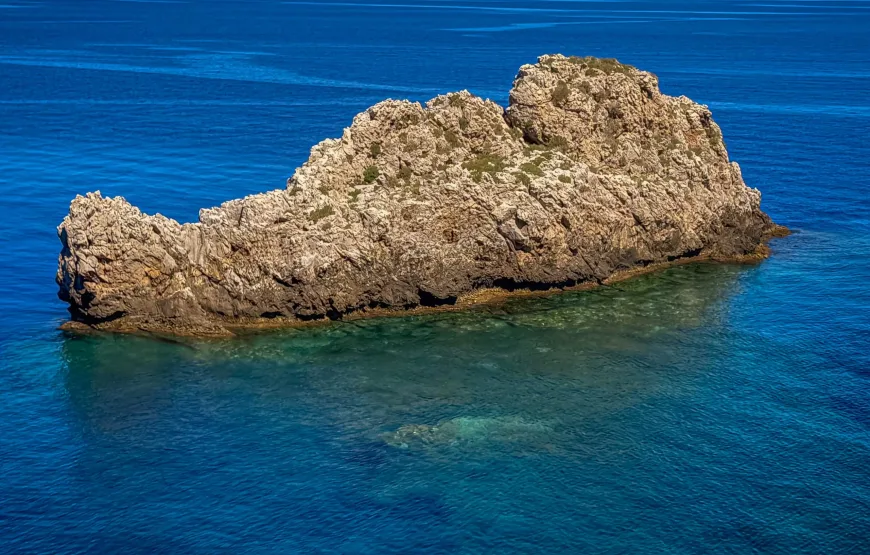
(589, 172)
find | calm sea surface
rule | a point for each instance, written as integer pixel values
(704, 409)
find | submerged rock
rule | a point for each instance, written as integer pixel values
(465, 429)
(590, 171)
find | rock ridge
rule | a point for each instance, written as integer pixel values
(589, 172)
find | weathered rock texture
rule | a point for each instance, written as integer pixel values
(589, 171)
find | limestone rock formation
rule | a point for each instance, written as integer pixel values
(589, 171)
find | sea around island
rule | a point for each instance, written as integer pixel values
(705, 408)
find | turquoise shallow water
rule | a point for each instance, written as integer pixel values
(703, 409)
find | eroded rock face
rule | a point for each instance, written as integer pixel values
(589, 171)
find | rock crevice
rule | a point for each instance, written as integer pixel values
(589, 171)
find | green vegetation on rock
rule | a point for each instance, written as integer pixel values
(531, 169)
(484, 163)
(557, 142)
(370, 174)
(451, 138)
(605, 65)
(320, 213)
(405, 173)
(523, 178)
(714, 136)
(560, 94)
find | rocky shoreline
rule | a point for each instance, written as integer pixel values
(488, 297)
(590, 175)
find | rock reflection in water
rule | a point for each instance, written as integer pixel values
(512, 370)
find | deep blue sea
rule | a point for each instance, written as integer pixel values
(701, 410)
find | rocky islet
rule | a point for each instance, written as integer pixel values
(589, 173)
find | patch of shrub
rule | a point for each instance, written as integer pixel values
(407, 120)
(523, 178)
(557, 142)
(564, 179)
(714, 136)
(375, 150)
(320, 213)
(405, 173)
(560, 94)
(370, 174)
(614, 110)
(463, 123)
(354, 194)
(611, 65)
(451, 138)
(532, 169)
(605, 65)
(540, 160)
(484, 163)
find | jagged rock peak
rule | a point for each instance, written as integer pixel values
(589, 172)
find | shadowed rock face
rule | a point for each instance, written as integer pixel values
(589, 171)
